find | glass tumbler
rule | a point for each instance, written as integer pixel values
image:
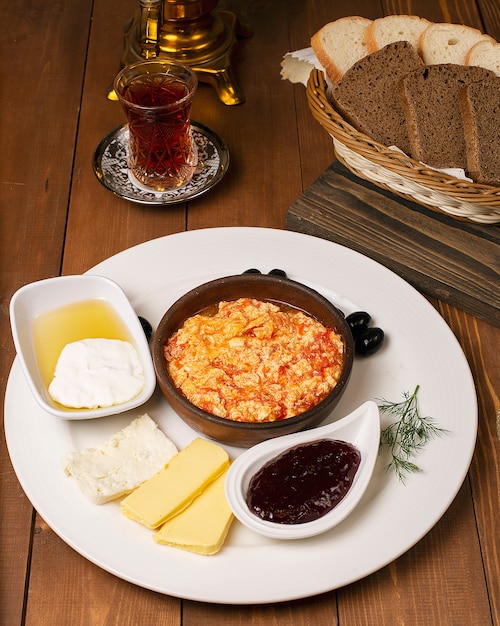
(156, 96)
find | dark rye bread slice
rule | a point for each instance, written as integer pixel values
(480, 109)
(429, 97)
(367, 96)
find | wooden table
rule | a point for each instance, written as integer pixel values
(58, 60)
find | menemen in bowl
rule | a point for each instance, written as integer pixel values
(249, 360)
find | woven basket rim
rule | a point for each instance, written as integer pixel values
(329, 118)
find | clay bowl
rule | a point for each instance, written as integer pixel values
(266, 287)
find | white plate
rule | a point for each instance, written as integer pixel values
(419, 349)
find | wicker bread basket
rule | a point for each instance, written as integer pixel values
(398, 173)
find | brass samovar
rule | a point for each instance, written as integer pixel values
(192, 32)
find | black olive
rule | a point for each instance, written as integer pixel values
(252, 270)
(146, 327)
(369, 341)
(277, 272)
(358, 322)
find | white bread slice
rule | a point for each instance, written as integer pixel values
(448, 43)
(393, 28)
(485, 54)
(338, 45)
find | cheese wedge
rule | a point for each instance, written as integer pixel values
(173, 488)
(203, 526)
(119, 465)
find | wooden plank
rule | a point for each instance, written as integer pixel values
(320, 610)
(490, 14)
(480, 343)
(453, 260)
(261, 136)
(43, 52)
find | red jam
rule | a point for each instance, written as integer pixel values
(304, 482)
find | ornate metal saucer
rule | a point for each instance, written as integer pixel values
(110, 167)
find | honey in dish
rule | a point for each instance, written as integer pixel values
(87, 319)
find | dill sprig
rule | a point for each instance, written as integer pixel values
(408, 434)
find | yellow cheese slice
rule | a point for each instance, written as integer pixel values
(173, 488)
(203, 526)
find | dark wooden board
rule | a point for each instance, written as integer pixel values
(453, 260)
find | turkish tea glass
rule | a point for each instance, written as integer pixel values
(156, 96)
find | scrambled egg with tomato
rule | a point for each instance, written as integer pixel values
(254, 362)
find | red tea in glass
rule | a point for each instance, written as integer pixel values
(156, 97)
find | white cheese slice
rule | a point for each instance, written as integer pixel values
(94, 373)
(121, 464)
